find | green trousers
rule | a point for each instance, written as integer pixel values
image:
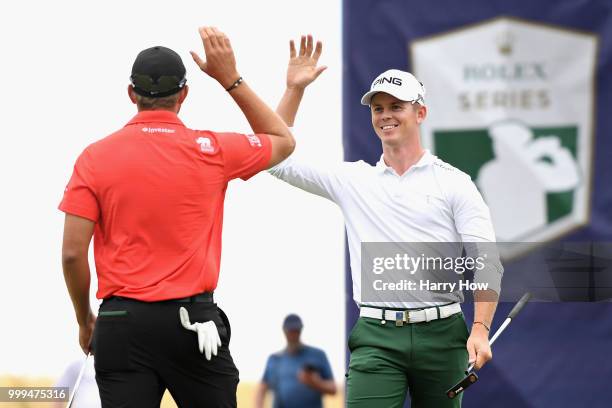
(425, 359)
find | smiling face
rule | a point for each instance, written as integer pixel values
(396, 122)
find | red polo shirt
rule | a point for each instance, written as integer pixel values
(155, 190)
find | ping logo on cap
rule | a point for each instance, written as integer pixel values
(390, 80)
(400, 84)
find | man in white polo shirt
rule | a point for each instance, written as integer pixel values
(414, 341)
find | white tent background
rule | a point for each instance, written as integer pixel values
(65, 70)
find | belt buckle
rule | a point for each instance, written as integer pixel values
(400, 317)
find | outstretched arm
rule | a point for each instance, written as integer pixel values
(301, 72)
(220, 64)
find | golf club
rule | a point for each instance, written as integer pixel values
(471, 376)
(78, 381)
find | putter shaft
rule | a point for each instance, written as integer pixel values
(78, 381)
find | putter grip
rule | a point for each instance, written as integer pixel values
(517, 308)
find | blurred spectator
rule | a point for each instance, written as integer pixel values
(298, 375)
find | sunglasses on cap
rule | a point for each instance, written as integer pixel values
(165, 85)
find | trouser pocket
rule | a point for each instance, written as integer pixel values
(228, 328)
(112, 340)
(352, 339)
(204, 312)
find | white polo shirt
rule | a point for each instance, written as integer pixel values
(431, 202)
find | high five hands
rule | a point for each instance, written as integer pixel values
(220, 61)
(303, 69)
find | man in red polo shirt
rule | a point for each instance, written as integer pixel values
(151, 195)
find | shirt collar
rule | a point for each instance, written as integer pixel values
(156, 116)
(425, 160)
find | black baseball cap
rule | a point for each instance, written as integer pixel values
(157, 72)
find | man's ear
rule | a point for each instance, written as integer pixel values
(183, 94)
(421, 113)
(131, 94)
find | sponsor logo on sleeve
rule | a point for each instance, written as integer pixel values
(254, 140)
(205, 145)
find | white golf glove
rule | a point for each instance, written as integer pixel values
(208, 336)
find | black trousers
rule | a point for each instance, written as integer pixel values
(141, 349)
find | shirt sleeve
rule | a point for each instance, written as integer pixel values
(490, 269)
(79, 195)
(244, 155)
(471, 214)
(268, 376)
(473, 223)
(322, 181)
(326, 371)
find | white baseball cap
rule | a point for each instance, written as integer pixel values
(401, 84)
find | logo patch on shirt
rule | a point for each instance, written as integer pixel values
(157, 130)
(254, 140)
(444, 166)
(205, 145)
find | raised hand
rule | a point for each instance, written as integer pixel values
(303, 69)
(220, 62)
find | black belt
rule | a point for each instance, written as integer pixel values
(206, 297)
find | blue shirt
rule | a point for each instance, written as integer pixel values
(281, 374)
